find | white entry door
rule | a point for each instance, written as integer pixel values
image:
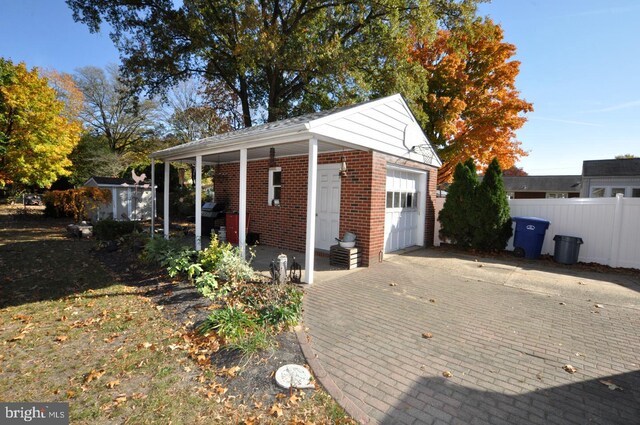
(405, 209)
(327, 206)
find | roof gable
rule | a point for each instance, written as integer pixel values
(385, 125)
(108, 181)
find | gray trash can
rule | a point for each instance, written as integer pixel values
(567, 249)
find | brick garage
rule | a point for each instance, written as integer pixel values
(373, 138)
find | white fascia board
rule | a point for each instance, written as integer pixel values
(235, 143)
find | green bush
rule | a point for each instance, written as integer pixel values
(456, 218)
(110, 230)
(209, 287)
(231, 323)
(492, 228)
(477, 215)
(226, 261)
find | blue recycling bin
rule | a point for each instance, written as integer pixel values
(529, 236)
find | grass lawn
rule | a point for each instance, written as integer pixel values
(72, 331)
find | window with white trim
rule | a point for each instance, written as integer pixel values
(275, 185)
(597, 192)
(401, 200)
(557, 195)
(615, 191)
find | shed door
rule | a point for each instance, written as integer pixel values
(405, 209)
(327, 206)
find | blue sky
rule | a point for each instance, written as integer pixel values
(580, 69)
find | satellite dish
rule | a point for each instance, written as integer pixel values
(412, 136)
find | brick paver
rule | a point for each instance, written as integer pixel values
(503, 331)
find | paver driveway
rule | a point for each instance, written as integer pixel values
(503, 331)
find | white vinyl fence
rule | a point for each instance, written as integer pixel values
(609, 227)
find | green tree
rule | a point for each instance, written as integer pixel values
(92, 157)
(36, 136)
(279, 57)
(492, 221)
(456, 216)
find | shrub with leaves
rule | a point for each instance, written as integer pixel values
(230, 323)
(76, 203)
(208, 285)
(110, 230)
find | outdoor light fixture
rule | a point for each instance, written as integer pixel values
(272, 157)
(343, 166)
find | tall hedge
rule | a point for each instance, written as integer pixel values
(455, 218)
(492, 226)
(476, 215)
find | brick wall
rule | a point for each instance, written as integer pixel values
(362, 199)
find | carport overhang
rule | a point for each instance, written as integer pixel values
(298, 143)
(307, 136)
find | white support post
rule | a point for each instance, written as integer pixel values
(114, 201)
(312, 183)
(153, 197)
(616, 234)
(242, 203)
(198, 202)
(167, 167)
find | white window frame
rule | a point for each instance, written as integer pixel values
(604, 193)
(557, 195)
(272, 186)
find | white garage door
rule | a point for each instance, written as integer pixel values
(405, 208)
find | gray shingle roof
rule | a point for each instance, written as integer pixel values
(111, 181)
(542, 183)
(288, 123)
(611, 167)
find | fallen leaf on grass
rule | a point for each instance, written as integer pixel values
(120, 398)
(23, 318)
(447, 374)
(563, 304)
(276, 410)
(569, 369)
(62, 338)
(427, 335)
(598, 306)
(159, 307)
(93, 375)
(294, 399)
(611, 385)
(232, 371)
(113, 384)
(251, 420)
(18, 337)
(71, 393)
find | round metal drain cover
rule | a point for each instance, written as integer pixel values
(294, 375)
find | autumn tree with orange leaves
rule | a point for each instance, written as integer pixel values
(472, 105)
